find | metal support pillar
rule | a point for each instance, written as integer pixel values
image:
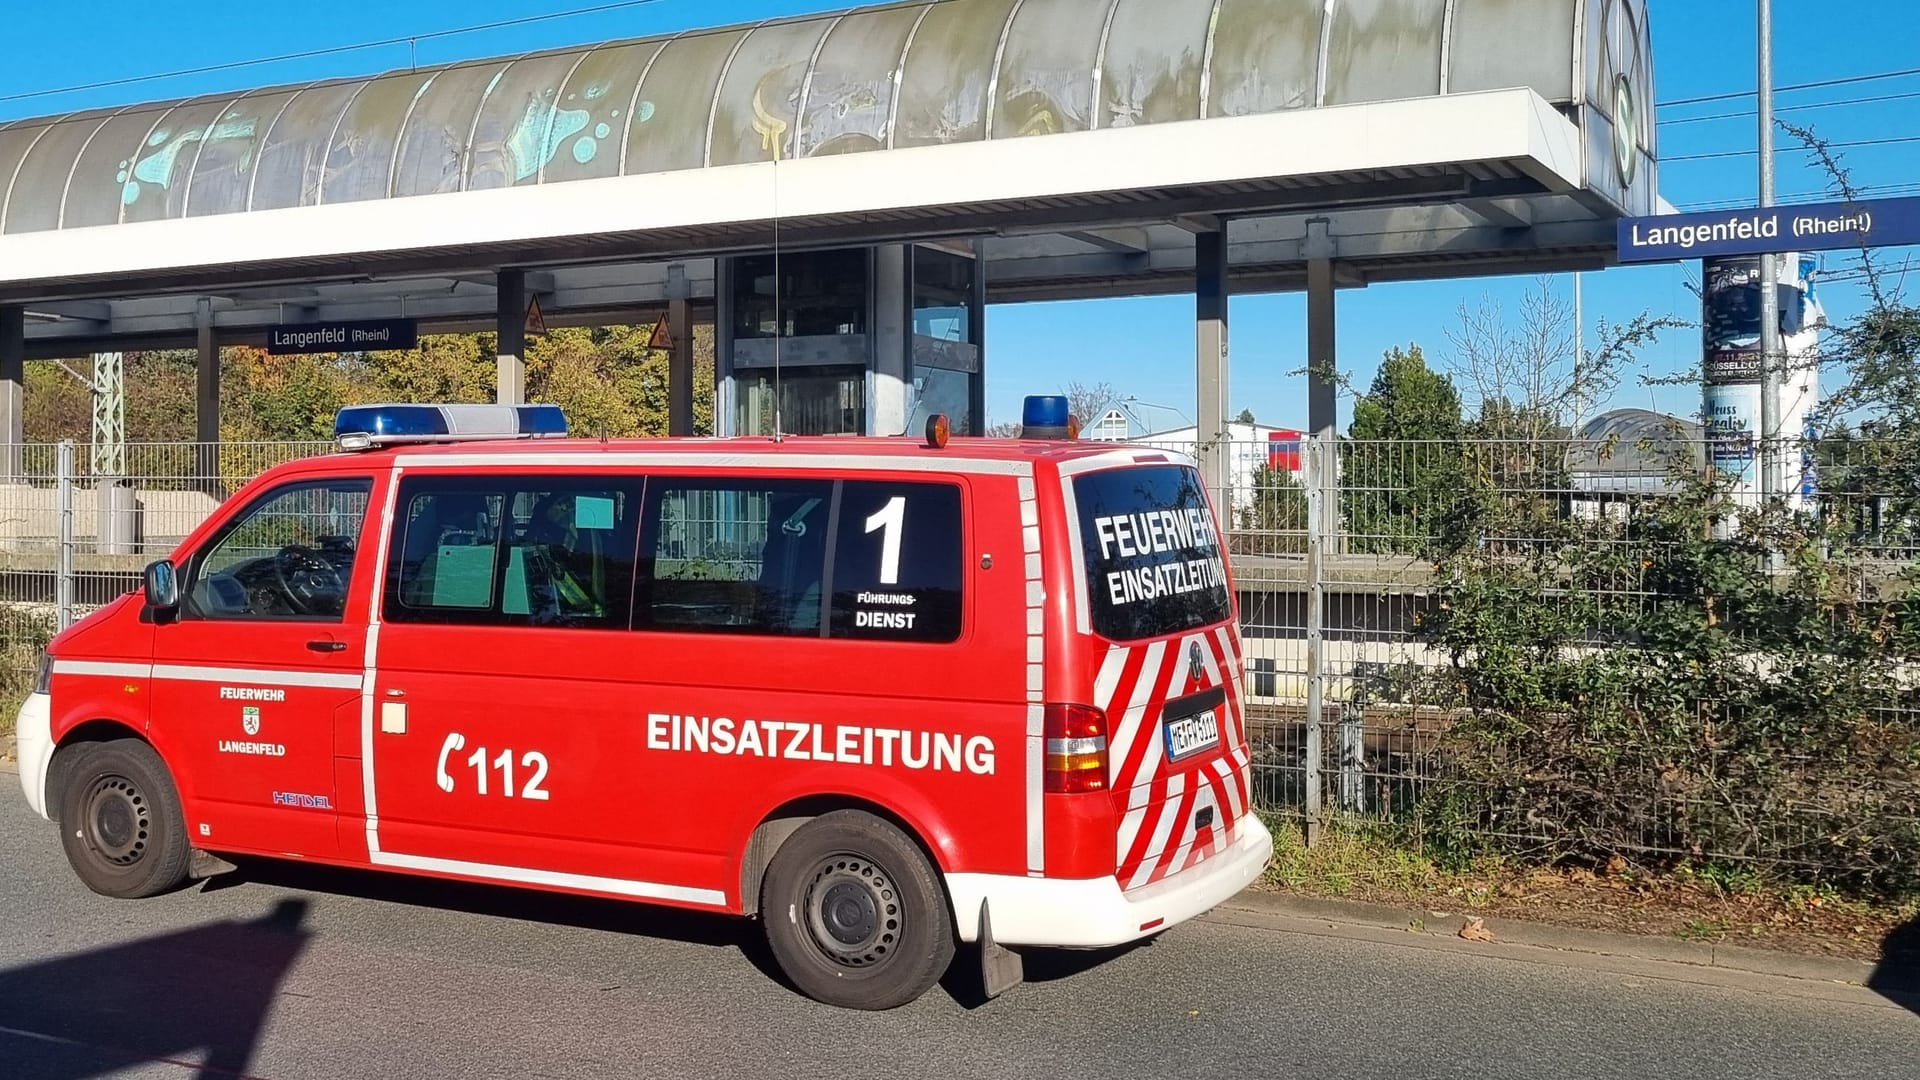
(977, 333)
(887, 408)
(1320, 451)
(510, 327)
(1772, 373)
(680, 353)
(206, 401)
(1210, 364)
(13, 389)
(1323, 365)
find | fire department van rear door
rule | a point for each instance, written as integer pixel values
(263, 659)
(1156, 597)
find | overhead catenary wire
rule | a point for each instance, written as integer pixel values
(1735, 95)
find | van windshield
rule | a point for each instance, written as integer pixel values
(1153, 559)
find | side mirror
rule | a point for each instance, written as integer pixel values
(163, 588)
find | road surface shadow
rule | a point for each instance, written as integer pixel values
(510, 902)
(1898, 976)
(195, 998)
(962, 981)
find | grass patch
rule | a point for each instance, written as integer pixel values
(1708, 902)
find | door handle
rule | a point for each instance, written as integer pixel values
(327, 645)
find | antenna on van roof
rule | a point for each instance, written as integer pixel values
(779, 327)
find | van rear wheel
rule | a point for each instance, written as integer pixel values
(121, 823)
(855, 914)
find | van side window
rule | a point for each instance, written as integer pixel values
(289, 555)
(736, 557)
(512, 551)
(897, 561)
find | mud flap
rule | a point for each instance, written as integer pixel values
(1001, 969)
(202, 865)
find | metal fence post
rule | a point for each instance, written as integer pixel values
(1317, 470)
(63, 572)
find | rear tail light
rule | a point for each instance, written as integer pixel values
(1076, 749)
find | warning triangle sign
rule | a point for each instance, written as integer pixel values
(662, 336)
(536, 322)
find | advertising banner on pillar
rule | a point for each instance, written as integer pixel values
(366, 335)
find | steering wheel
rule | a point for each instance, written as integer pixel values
(308, 580)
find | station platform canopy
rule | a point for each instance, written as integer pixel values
(1080, 143)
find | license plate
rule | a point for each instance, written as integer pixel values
(1189, 735)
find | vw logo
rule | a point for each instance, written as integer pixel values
(1195, 664)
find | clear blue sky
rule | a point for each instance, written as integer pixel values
(1144, 347)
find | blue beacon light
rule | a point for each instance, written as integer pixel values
(363, 427)
(1048, 416)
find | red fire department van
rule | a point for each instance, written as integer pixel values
(887, 695)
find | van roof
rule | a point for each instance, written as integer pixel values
(879, 449)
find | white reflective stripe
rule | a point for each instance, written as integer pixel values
(772, 460)
(1190, 829)
(1162, 830)
(1130, 824)
(619, 886)
(96, 667)
(1109, 678)
(1225, 771)
(267, 676)
(1129, 726)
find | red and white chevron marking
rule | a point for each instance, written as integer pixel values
(1157, 836)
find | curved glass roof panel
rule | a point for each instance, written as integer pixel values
(758, 106)
(109, 152)
(603, 90)
(1045, 82)
(949, 73)
(1265, 57)
(223, 170)
(905, 74)
(40, 184)
(437, 137)
(667, 128)
(360, 152)
(510, 131)
(1156, 54)
(849, 106)
(293, 153)
(163, 163)
(1384, 50)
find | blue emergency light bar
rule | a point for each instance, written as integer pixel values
(1048, 417)
(363, 427)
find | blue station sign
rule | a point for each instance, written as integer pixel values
(365, 335)
(1807, 227)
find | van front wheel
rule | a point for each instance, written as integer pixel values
(120, 821)
(855, 914)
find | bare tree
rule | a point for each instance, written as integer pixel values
(1088, 402)
(1527, 379)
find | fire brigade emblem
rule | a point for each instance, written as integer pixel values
(250, 719)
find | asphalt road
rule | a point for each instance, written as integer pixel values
(293, 972)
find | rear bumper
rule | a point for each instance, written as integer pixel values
(33, 731)
(1089, 913)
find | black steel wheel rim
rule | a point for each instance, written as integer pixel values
(118, 820)
(853, 911)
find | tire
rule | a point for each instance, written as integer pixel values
(855, 914)
(121, 823)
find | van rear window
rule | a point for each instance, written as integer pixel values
(1152, 556)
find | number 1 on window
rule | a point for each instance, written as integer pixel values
(890, 517)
